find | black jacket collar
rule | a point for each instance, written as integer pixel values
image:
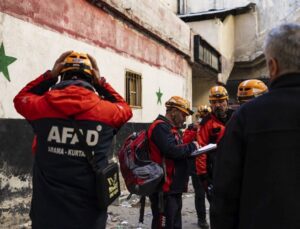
(286, 80)
(67, 83)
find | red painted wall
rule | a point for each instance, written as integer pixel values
(81, 20)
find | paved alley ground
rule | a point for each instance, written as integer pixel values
(126, 214)
(121, 215)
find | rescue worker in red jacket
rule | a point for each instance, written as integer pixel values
(167, 149)
(189, 135)
(64, 189)
(211, 130)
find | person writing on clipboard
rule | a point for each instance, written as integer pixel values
(167, 149)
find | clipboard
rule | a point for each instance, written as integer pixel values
(204, 149)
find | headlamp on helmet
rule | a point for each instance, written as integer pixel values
(218, 93)
(179, 103)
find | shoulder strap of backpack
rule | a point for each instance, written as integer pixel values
(152, 126)
(149, 133)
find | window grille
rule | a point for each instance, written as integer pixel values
(133, 89)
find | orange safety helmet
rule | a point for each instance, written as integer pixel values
(77, 61)
(218, 93)
(179, 103)
(250, 89)
(203, 110)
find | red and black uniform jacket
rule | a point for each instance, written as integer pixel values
(190, 134)
(64, 192)
(167, 149)
(199, 163)
(211, 131)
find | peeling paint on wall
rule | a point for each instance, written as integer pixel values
(103, 30)
(156, 17)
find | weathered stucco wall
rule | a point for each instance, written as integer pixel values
(221, 35)
(171, 4)
(196, 6)
(209, 30)
(201, 87)
(251, 27)
(154, 16)
(119, 47)
(246, 37)
(240, 38)
(227, 47)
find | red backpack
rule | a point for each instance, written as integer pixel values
(141, 175)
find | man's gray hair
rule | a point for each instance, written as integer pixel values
(283, 44)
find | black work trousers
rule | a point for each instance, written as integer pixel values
(170, 216)
(199, 197)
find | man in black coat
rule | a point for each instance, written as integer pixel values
(257, 172)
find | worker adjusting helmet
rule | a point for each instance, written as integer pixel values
(179, 103)
(203, 110)
(218, 93)
(250, 89)
(77, 63)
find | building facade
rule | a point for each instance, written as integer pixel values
(147, 61)
(236, 29)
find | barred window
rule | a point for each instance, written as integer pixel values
(133, 89)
